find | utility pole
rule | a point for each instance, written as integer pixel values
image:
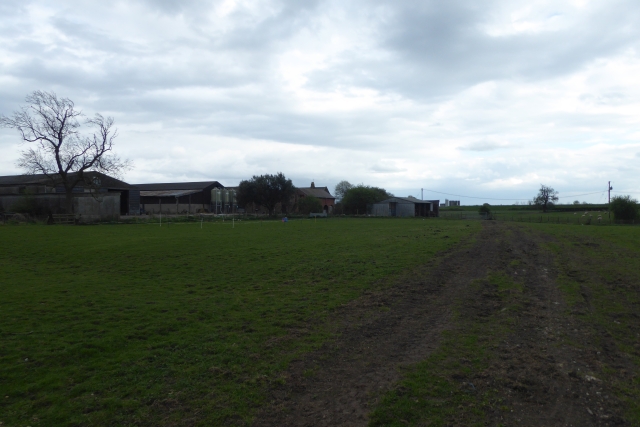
(609, 188)
(422, 194)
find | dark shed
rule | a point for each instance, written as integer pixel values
(177, 197)
(93, 182)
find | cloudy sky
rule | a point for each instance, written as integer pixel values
(487, 99)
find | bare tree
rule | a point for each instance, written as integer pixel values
(341, 189)
(62, 152)
(546, 195)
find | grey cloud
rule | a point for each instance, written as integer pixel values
(607, 98)
(485, 146)
(386, 168)
(436, 48)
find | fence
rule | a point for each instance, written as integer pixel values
(464, 215)
(548, 218)
(554, 219)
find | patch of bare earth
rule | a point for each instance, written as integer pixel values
(532, 372)
(546, 370)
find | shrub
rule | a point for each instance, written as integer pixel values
(624, 208)
(485, 209)
(309, 204)
(356, 199)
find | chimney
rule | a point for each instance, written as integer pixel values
(313, 185)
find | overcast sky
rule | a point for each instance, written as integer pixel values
(486, 99)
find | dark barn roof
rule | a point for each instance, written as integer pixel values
(408, 200)
(167, 193)
(165, 186)
(40, 179)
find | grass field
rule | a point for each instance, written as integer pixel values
(149, 325)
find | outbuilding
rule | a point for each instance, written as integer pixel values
(96, 197)
(406, 207)
(177, 197)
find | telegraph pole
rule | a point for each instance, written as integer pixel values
(609, 188)
(422, 194)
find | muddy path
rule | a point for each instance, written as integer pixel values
(541, 381)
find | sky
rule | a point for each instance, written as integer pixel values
(486, 100)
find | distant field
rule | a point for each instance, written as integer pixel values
(149, 325)
(594, 215)
(525, 208)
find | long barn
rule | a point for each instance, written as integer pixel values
(96, 197)
(177, 197)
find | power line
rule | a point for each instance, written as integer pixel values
(467, 197)
(576, 195)
(493, 198)
(631, 192)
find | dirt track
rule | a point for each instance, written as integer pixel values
(541, 381)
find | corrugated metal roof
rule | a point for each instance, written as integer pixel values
(178, 186)
(105, 181)
(24, 179)
(168, 193)
(407, 200)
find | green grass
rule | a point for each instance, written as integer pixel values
(149, 325)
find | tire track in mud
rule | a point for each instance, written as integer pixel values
(541, 380)
(339, 384)
(545, 369)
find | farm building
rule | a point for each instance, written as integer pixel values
(177, 197)
(406, 206)
(322, 193)
(96, 197)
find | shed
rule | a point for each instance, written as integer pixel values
(406, 207)
(177, 197)
(97, 196)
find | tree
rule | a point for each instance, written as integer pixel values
(341, 189)
(356, 199)
(266, 190)
(624, 208)
(546, 196)
(485, 209)
(309, 204)
(61, 151)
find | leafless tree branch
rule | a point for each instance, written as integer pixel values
(61, 151)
